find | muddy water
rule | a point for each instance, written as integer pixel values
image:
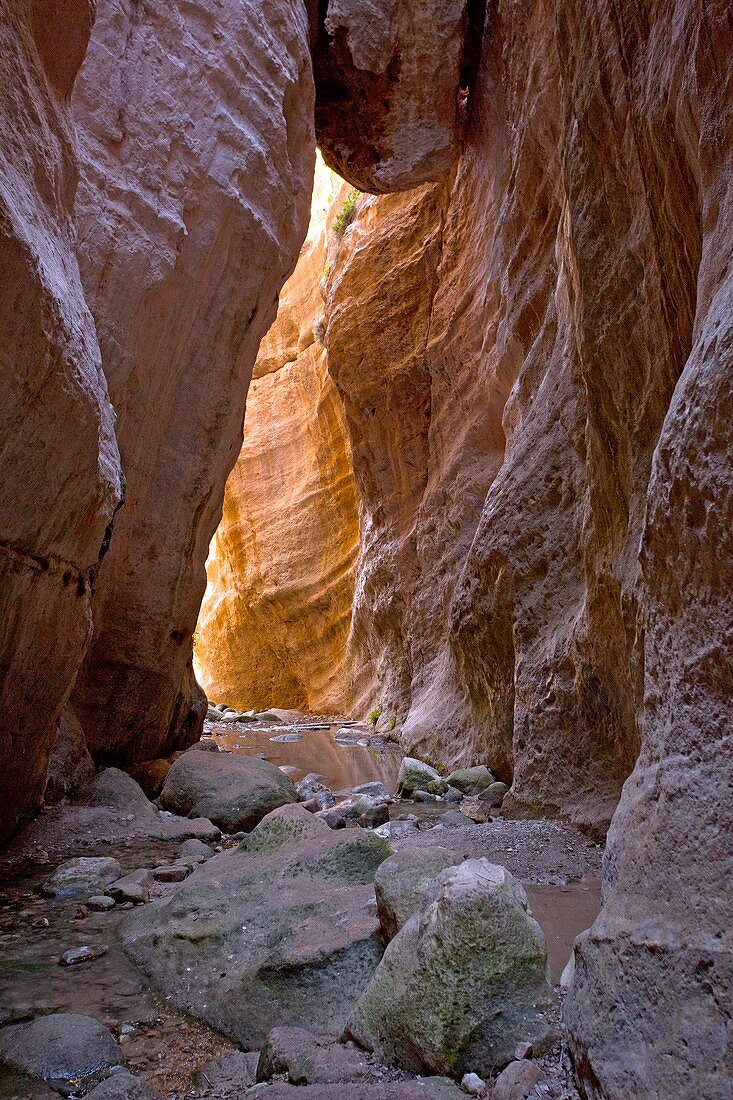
(343, 765)
(563, 912)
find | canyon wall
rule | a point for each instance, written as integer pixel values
(498, 600)
(59, 464)
(275, 619)
(197, 151)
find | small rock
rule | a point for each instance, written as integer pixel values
(476, 810)
(396, 830)
(375, 790)
(287, 769)
(452, 794)
(517, 1081)
(522, 1050)
(205, 744)
(229, 1075)
(453, 819)
(76, 955)
(172, 872)
(134, 887)
(306, 1059)
(494, 794)
(81, 877)
(424, 796)
(195, 851)
(473, 1084)
(100, 903)
(286, 738)
(415, 774)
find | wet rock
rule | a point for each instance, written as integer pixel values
(306, 1059)
(150, 775)
(405, 883)
(234, 792)
(517, 1081)
(115, 789)
(313, 791)
(424, 796)
(123, 1086)
(63, 1047)
(415, 775)
(359, 810)
(134, 887)
(396, 830)
(287, 738)
(195, 851)
(100, 903)
(78, 878)
(280, 931)
(471, 780)
(454, 819)
(86, 953)
(452, 795)
(473, 1084)
(70, 765)
(374, 790)
(463, 982)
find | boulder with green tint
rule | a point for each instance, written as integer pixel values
(471, 780)
(463, 982)
(281, 931)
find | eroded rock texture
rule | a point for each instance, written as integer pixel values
(556, 275)
(59, 465)
(652, 998)
(275, 619)
(198, 151)
(391, 78)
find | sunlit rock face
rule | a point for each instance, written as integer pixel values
(196, 129)
(59, 466)
(275, 619)
(391, 78)
(556, 313)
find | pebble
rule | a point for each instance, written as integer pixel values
(100, 903)
(473, 1084)
(83, 954)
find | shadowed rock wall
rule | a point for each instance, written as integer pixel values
(59, 465)
(196, 126)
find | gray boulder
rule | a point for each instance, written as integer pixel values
(280, 931)
(374, 790)
(415, 775)
(123, 1086)
(405, 883)
(471, 780)
(195, 851)
(463, 982)
(80, 878)
(61, 1048)
(234, 792)
(306, 1059)
(116, 789)
(70, 766)
(494, 794)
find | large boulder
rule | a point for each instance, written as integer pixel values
(471, 780)
(415, 775)
(405, 883)
(388, 76)
(70, 765)
(463, 982)
(78, 878)
(235, 792)
(281, 931)
(64, 1048)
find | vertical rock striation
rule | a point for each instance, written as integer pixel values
(59, 465)
(652, 999)
(275, 620)
(198, 152)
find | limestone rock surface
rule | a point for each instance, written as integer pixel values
(389, 74)
(281, 932)
(650, 1003)
(59, 465)
(463, 982)
(196, 142)
(275, 620)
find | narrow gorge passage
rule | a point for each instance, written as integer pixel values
(366, 531)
